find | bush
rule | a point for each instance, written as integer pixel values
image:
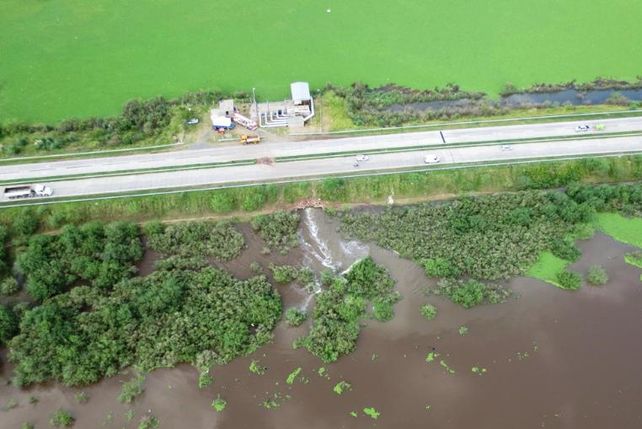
(9, 286)
(441, 268)
(278, 230)
(148, 422)
(569, 280)
(295, 317)
(26, 223)
(565, 248)
(429, 311)
(341, 306)
(62, 418)
(597, 276)
(160, 320)
(8, 324)
(471, 292)
(131, 389)
(284, 273)
(196, 239)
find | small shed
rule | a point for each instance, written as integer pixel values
(300, 93)
(219, 121)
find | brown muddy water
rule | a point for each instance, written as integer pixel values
(553, 359)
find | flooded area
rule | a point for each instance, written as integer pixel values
(546, 358)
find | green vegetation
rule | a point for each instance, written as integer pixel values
(341, 387)
(478, 370)
(219, 404)
(469, 293)
(568, 280)
(278, 230)
(634, 258)
(9, 286)
(220, 240)
(625, 230)
(342, 305)
(95, 254)
(295, 317)
(149, 422)
(428, 311)
(10, 404)
(256, 368)
(293, 375)
(445, 366)
(371, 412)
(430, 357)
(480, 237)
(27, 425)
(8, 324)
(463, 330)
(547, 267)
(34, 92)
(81, 397)
(156, 121)
(160, 320)
(597, 275)
(132, 389)
(61, 418)
(287, 273)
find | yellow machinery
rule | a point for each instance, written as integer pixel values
(247, 139)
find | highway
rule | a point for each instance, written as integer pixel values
(283, 171)
(235, 152)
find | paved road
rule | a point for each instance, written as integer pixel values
(233, 151)
(343, 166)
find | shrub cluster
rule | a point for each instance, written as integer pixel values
(597, 276)
(342, 305)
(95, 253)
(278, 230)
(220, 240)
(159, 320)
(295, 317)
(469, 293)
(489, 237)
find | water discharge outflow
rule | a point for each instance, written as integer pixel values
(324, 249)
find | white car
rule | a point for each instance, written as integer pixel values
(506, 147)
(582, 128)
(431, 159)
(362, 158)
(192, 121)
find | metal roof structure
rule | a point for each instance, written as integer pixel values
(300, 92)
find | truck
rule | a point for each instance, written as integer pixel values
(27, 191)
(247, 139)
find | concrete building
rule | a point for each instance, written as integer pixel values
(293, 113)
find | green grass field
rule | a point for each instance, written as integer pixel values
(63, 58)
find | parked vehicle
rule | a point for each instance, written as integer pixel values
(192, 121)
(248, 139)
(431, 159)
(27, 191)
(582, 128)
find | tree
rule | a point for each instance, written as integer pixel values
(8, 324)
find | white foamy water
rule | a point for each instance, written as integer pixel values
(324, 249)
